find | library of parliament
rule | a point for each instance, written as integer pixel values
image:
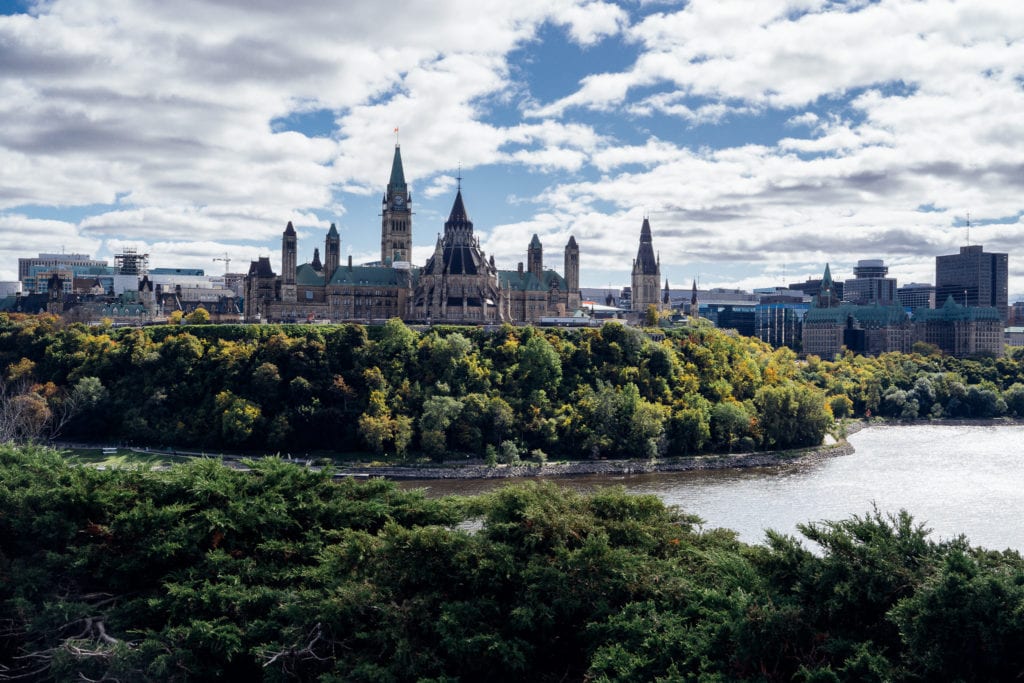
(458, 283)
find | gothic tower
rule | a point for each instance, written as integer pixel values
(332, 253)
(572, 273)
(646, 272)
(396, 216)
(827, 297)
(535, 258)
(694, 304)
(289, 249)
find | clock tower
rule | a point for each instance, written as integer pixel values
(396, 216)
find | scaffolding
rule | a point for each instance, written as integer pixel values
(131, 262)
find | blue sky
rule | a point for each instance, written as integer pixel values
(763, 138)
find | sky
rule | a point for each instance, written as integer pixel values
(763, 138)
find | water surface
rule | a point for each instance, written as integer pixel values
(955, 479)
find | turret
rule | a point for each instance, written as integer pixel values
(289, 248)
(535, 258)
(332, 252)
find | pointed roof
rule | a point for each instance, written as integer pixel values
(289, 230)
(333, 232)
(397, 181)
(535, 242)
(646, 263)
(458, 214)
(572, 242)
(826, 280)
(693, 297)
(317, 265)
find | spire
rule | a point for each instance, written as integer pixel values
(397, 182)
(458, 213)
(535, 242)
(333, 232)
(317, 265)
(572, 242)
(289, 230)
(693, 297)
(646, 263)
(826, 295)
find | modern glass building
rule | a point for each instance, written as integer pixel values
(973, 278)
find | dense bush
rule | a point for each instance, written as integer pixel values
(278, 573)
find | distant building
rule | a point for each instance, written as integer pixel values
(1014, 336)
(1016, 313)
(961, 330)
(458, 283)
(870, 284)
(831, 325)
(57, 262)
(779, 319)
(811, 286)
(915, 295)
(646, 272)
(973, 278)
(957, 330)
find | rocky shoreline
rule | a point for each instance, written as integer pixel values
(478, 470)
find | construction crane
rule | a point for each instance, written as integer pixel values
(226, 259)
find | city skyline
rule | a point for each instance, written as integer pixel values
(763, 139)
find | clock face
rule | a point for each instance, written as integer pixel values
(399, 201)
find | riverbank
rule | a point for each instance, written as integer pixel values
(479, 470)
(476, 469)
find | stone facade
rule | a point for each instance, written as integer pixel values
(458, 283)
(646, 282)
(830, 327)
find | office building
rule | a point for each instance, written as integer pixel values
(973, 278)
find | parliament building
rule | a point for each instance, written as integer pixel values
(458, 283)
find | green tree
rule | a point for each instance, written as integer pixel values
(439, 412)
(729, 423)
(790, 415)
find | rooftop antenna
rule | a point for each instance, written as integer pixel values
(458, 177)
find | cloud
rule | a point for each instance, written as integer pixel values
(782, 131)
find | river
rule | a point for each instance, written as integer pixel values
(953, 478)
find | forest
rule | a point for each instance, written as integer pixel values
(280, 573)
(501, 393)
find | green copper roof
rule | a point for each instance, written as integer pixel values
(870, 316)
(527, 282)
(397, 182)
(953, 312)
(333, 232)
(307, 275)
